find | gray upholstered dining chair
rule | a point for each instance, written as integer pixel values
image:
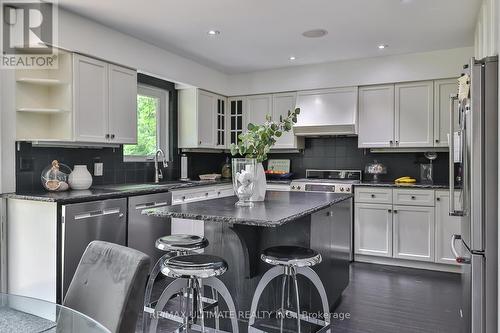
(109, 284)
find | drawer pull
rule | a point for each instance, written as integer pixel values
(373, 195)
(438, 199)
(395, 211)
(389, 210)
(413, 197)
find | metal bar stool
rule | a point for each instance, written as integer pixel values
(191, 272)
(173, 245)
(290, 261)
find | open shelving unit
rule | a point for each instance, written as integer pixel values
(44, 102)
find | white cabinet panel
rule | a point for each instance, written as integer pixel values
(122, 105)
(91, 99)
(282, 103)
(442, 91)
(373, 229)
(414, 115)
(206, 119)
(373, 195)
(414, 233)
(258, 106)
(446, 227)
(413, 197)
(376, 116)
(328, 106)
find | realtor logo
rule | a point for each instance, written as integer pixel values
(28, 32)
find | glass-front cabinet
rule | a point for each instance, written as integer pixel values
(221, 122)
(237, 118)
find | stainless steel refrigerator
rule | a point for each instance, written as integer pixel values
(474, 169)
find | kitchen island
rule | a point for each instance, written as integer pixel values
(321, 221)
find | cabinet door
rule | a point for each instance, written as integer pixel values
(258, 107)
(282, 103)
(414, 114)
(236, 118)
(414, 233)
(442, 91)
(206, 119)
(373, 229)
(220, 119)
(91, 99)
(446, 227)
(122, 105)
(376, 116)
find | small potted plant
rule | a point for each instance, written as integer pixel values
(258, 141)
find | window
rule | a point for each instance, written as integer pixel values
(152, 124)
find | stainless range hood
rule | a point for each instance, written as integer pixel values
(327, 112)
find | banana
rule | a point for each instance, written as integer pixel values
(406, 180)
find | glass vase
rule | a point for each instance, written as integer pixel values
(244, 173)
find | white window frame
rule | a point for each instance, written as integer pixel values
(161, 122)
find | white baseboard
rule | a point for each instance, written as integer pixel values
(407, 263)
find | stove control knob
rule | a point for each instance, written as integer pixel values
(341, 189)
(298, 187)
(293, 187)
(348, 189)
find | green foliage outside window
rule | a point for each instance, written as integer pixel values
(146, 128)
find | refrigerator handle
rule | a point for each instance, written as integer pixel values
(458, 258)
(451, 142)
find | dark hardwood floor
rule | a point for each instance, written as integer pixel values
(386, 299)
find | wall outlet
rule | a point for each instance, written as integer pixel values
(98, 169)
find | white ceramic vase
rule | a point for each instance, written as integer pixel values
(80, 178)
(260, 184)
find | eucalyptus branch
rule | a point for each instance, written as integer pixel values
(259, 139)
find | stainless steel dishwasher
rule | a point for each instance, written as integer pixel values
(144, 230)
(83, 223)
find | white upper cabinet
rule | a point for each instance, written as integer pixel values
(327, 111)
(376, 116)
(442, 91)
(122, 104)
(236, 118)
(91, 99)
(202, 119)
(258, 106)
(414, 114)
(282, 104)
(105, 98)
(206, 119)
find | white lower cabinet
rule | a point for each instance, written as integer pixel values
(413, 233)
(404, 224)
(446, 227)
(373, 229)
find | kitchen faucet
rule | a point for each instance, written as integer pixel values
(158, 173)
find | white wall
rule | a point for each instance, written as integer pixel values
(408, 67)
(83, 35)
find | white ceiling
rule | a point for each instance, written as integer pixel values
(263, 34)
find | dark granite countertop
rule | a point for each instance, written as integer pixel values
(415, 185)
(103, 192)
(278, 208)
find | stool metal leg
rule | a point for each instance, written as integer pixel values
(200, 305)
(172, 289)
(264, 281)
(221, 288)
(282, 309)
(316, 281)
(296, 286)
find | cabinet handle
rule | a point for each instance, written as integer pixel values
(373, 195)
(395, 211)
(199, 142)
(438, 199)
(397, 142)
(107, 136)
(389, 210)
(437, 140)
(413, 197)
(112, 136)
(391, 142)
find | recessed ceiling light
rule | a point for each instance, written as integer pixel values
(383, 46)
(315, 33)
(213, 32)
(292, 58)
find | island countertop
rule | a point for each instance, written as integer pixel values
(278, 208)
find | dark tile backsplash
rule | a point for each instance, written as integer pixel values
(335, 153)
(31, 160)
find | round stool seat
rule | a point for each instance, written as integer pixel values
(181, 243)
(199, 266)
(295, 256)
